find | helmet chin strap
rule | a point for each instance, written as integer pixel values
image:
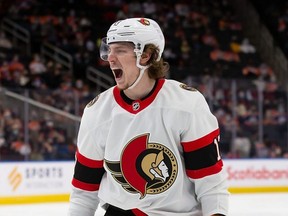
(142, 70)
(141, 73)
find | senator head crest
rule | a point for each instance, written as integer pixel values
(145, 168)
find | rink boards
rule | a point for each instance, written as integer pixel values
(28, 182)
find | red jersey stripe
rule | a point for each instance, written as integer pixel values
(195, 174)
(89, 162)
(137, 212)
(85, 186)
(201, 142)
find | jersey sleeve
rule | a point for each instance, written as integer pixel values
(203, 163)
(82, 202)
(200, 141)
(88, 169)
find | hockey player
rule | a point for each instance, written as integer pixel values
(149, 145)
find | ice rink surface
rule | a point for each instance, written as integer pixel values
(266, 204)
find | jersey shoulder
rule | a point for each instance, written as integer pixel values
(181, 91)
(179, 86)
(100, 106)
(183, 97)
(101, 98)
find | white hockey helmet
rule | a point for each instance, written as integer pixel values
(140, 31)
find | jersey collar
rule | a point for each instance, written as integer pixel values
(135, 106)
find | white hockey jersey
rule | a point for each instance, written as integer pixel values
(159, 155)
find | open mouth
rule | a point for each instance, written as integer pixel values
(117, 73)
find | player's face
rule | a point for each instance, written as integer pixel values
(122, 62)
(164, 169)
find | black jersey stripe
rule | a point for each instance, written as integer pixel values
(201, 158)
(87, 178)
(205, 171)
(87, 173)
(203, 162)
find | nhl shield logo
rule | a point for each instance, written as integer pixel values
(145, 168)
(135, 106)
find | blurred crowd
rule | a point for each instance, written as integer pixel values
(46, 140)
(204, 42)
(274, 14)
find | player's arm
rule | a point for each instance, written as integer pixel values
(85, 185)
(82, 203)
(88, 170)
(203, 162)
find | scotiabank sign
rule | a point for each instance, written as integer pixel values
(258, 172)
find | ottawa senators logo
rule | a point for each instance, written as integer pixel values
(145, 168)
(186, 87)
(93, 101)
(144, 21)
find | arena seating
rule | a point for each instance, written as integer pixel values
(205, 46)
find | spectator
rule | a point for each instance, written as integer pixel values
(246, 47)
(5, 42)
(37, 66)
(241, 146)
